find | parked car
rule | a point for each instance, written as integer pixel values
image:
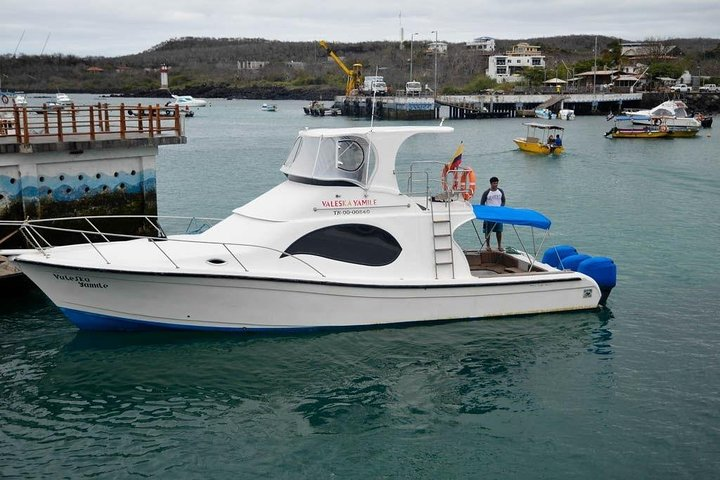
(709, 87)
(680, 87)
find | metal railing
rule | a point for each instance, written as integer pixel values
(425, 179)
(32, 231)
(94, 122)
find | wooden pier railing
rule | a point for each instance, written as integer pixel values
(25, 125)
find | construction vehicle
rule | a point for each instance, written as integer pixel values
(354, 76)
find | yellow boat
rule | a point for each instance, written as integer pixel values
(636, 133)
(538, 139)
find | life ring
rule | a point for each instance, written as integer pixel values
(443, 179)
(467, 183)
(5, 99)
(663, 128)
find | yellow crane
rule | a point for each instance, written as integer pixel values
(354, 76)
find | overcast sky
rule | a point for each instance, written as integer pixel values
(119, 27)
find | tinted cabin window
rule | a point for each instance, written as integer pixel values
(351, 243)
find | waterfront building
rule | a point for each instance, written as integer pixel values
(483, 44)
(508, 67)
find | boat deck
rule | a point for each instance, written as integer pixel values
(490, 263)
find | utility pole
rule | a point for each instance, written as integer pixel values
(436, 51)
(412, 37)
(595, 66)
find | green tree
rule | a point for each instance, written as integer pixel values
(665, 69)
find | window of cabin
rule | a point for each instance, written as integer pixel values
(352, 243)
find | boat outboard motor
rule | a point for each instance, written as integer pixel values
(554, 255)
(571, 262)
(603, 271)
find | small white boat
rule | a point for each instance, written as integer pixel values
(186, 101)
(20, 99)
(545, 113)
(63, 99)
(566, 114)
(265, 107)
(337, 244)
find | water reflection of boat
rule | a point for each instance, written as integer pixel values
(337, 244)
(541, 138)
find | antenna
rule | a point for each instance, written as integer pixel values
(18, 44)
(45, 44)
(401, 32)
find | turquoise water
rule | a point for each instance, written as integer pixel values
(630, 390)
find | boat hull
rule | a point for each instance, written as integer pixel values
(630, 133)
(96, 299)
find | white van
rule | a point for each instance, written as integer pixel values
(413, 88)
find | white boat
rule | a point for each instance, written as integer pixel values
(545, 113)
(265, 107)
(672, 113)
(20, 99)
(566, 114)
(63, 99)
(186, 101)
(337, 244)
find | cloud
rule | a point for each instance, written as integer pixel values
(111, 28)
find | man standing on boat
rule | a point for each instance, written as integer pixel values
(494, 197)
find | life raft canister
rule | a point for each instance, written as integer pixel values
(467, 183)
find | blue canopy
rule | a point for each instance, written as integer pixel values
(512, 216)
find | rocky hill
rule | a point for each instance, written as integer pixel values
(212, 67)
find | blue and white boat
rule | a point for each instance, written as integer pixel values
(337, 244)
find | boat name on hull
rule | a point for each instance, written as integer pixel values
(83, 282)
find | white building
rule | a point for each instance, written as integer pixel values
(484, 44)
(437, 47)
(250, 64)
(645, 49)
(508, 67)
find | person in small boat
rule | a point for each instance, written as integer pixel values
(551, 140)
(558, 141)
(493, 196)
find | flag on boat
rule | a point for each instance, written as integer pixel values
(456, 158)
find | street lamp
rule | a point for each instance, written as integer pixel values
(412, 36)
(436, 50)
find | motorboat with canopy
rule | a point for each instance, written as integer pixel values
(542, 138)
(337, 244)
(672, 114)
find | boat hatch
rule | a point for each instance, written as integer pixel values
(323, 160)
